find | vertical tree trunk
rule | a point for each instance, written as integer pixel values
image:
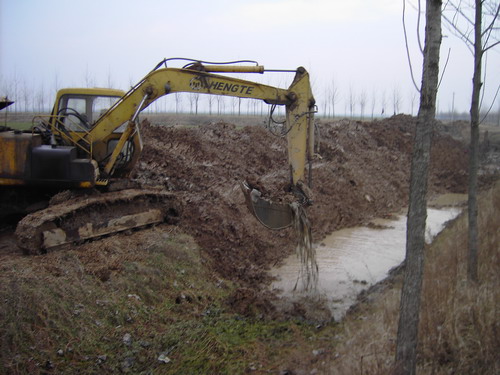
(474, 147)
(406, 345)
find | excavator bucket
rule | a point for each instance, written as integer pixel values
(270, 214)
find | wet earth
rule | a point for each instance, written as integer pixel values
(361, 171)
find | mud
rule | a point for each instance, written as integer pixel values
(361, 172)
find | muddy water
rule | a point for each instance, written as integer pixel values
(353, 259)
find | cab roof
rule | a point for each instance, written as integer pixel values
(96, 91)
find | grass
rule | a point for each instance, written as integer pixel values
(17, 125)
(458, 332)
(122, 303)
(82, 304)
(104, 308)
(17, 120)
(459, 323)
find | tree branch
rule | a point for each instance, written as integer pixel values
(418, 29)
(459, 11)
(491, 46)
(445, 65)
(491, 106)
(408, 48)
(488, 30)
(492, 23)
(454, 29)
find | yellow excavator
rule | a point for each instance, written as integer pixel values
(91, 140)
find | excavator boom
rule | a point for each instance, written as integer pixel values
(200, 79)
(297, 99)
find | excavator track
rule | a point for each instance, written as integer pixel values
(89, 217)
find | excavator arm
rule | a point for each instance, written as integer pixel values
(297, 99)
(197, 78)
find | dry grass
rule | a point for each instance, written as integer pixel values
(459, 321)
(459, 332)
(68, 312)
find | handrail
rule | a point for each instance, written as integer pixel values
(83, 142)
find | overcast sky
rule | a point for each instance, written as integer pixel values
(358, 44)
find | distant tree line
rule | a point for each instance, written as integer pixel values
(331, 101)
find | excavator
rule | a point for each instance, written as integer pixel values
(91, 141)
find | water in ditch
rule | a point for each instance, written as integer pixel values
(353, 259)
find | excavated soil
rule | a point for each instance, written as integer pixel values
(361, 171)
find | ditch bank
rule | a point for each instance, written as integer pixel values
(361, 172)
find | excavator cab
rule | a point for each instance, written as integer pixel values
(78, 111)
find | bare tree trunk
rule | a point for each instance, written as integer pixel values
(362, 103)
(483, 41)
(177, 102)
(196, 100)
(498, 114)
(407, 338)
(474, 146)
(351, 102)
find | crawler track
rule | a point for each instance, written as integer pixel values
(94, 216)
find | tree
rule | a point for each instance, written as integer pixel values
(409, 313)
(373, 101)
(326, 104)
(351, 100)
(383, 103)
(412, 98)
(234, 104)
(178, 102)
(220, 104)
(109, 79)
(362, 103)
(453, 108)
(89, 78)
(26, 96)
(483, 40)
(396, 99)
(334, 96)
(210, 103)
(196, 102)
(191, 103)
(40, 97)
(498, 114)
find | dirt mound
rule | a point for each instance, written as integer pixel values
(362, 171)
(204, 165)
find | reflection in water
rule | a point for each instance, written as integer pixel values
(353, 259)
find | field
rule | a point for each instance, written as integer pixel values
(192, 298)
